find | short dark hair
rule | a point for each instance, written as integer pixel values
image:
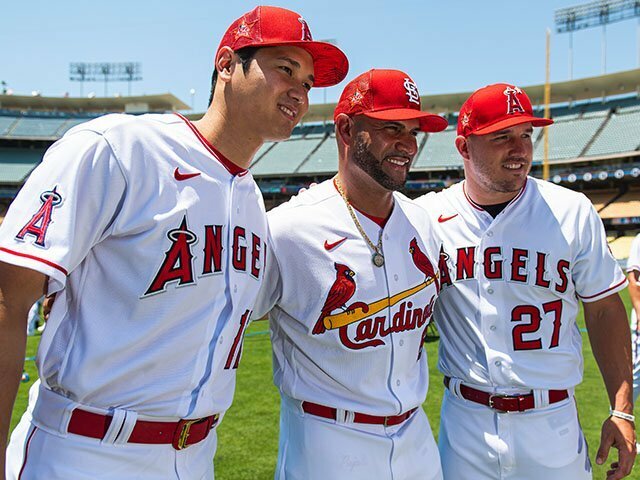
(245, 54)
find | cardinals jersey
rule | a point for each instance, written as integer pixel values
(511, 285)
(346, 333)
(155, 244)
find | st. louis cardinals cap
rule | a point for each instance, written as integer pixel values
(386, 95)
(274, 26)
(496, 107)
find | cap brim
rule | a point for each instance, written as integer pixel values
(330, 64)
(510, 122)
(429, 122)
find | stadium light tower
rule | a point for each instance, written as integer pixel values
(107, 72)
(594, 14)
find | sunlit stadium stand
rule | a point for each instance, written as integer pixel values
(620, 246)
(16, 164)
(620, 134)
(324, 160)
(439, 152)
(594, 145)
(569, 138)
(285, 157)
(628, 205)
(601, 199)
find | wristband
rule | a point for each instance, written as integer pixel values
(624, 416)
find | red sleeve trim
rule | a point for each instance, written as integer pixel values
(604, 291)
(37, 259)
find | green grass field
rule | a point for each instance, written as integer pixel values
(248, 436)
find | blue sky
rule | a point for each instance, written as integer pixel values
(446, 47)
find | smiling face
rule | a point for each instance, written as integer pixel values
(496, 165)
(272, 95)
(385, 149)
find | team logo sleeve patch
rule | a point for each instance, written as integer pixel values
(39, 223)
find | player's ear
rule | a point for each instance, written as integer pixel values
(224, 63)
(462, 144)
(344, 128)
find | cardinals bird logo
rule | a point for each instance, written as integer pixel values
(340, 293)
(422, 262)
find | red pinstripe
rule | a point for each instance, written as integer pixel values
(26, 452)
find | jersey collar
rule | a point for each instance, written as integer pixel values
(231, 167)
(479, 208)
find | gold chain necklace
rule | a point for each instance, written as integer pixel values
(377, 258)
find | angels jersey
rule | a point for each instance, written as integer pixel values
(346, 333)
(511, 285)
(155, 244)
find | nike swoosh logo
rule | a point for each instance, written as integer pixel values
(442, 219)
(331, 246)
(183, 176)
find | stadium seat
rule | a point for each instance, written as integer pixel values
(620, 134)
(285, 157)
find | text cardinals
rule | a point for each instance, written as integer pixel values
(401, 317)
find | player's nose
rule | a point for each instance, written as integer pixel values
(407, 144)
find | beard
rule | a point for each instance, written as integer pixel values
(372, 166)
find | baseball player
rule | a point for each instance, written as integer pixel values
(633, 276)
(152, 233)
(518, 255)
(353, 279)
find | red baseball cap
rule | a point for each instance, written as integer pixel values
(386, 95)
(496, 107)
(274, 26)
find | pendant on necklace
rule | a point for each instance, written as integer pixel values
(377, 259)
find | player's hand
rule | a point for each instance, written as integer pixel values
(620, 434)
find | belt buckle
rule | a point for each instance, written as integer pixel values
(491, 405)
(182, 433)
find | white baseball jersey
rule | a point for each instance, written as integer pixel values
(345, 333)
(633, 265)
(511, 285)
(155, 244)
(633, 262)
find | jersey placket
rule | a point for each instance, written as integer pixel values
(490, 322)
(396, 341)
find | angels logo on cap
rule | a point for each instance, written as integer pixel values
(484, 111)
(306, 33)
(513, 104)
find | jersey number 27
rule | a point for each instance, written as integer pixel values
(519, 313)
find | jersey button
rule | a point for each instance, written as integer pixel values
(497, 363)
(490, 290)
(395, 277)
(492, 328)
(401, 342)
(489, 234)
(398, 382)
(235, 289)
